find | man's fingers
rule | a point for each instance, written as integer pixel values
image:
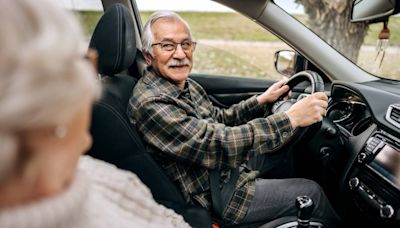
(280, 83)
(321, 103)
(321, 95)
(283, 89)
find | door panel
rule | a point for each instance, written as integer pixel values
(225, 90)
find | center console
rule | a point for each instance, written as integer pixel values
(374, 179)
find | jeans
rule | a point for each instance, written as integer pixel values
(275, 198)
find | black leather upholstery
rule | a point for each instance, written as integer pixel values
(114, 39)
(114, 139)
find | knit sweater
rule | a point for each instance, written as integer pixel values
(100, 196)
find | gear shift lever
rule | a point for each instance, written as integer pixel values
(305, 207)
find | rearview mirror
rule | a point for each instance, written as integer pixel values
(372, 10)
(285, 62)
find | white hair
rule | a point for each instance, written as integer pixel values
(147, 36)
(43, 76)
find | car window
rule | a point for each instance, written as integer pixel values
(227, 43)
(88, 11)
(357, 41)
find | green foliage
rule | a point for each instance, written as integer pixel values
(89, 19)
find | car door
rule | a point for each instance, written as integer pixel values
(224, 91)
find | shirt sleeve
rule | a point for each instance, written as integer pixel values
(168, 127)
(239, 113)
(236, 114)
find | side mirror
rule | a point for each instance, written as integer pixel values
(372, 10)
(285, 62)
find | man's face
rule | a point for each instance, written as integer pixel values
(174, 65)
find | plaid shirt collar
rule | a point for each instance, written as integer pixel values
(165, 85)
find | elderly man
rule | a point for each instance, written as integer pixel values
(194, 140)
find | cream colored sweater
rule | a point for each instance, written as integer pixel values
(100, 196)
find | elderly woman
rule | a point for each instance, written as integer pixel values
(46, 92)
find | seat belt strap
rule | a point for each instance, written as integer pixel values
(221, 197)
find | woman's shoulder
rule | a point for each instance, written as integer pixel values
(107, 175)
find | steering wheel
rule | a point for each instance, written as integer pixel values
(281, 105)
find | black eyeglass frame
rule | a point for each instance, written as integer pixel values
(192, 46)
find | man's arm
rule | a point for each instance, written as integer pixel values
(170, 129)
(251, 108)
(236, 114)
(239, 113)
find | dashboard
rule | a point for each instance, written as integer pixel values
(349, 112)
(368, 119)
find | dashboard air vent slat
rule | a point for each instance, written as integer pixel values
(393, 115)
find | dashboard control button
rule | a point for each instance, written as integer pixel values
(379, 201)
(373, 145)
(354, 183)
(330, 131)
(326, 152)
(386, 211)
(361, 157)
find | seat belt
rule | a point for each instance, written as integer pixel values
(221, 197)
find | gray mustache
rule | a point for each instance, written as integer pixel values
(174, 62)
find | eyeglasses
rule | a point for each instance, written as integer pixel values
(169, 46)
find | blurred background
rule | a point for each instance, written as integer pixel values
(230, 44)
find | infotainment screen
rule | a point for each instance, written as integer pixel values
(387, 163)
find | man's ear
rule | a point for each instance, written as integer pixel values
(148, 57)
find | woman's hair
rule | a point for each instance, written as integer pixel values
(147, 37)
(43, 76)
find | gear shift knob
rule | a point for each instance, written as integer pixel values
(305, 207)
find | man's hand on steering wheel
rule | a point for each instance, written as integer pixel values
(273, 92)
(302, 112)
(308, 110)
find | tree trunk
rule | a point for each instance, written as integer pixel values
(330, 19)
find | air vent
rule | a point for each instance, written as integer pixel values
(393, 115)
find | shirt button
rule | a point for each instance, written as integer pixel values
(285, 134)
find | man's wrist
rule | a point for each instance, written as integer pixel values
(292, 119)
(261, 100)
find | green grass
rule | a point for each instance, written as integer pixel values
(255, 59)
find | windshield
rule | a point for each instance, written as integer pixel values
(374, 48)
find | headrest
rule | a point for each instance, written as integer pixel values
(115, 41)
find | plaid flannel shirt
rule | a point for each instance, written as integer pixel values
(188, 137)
